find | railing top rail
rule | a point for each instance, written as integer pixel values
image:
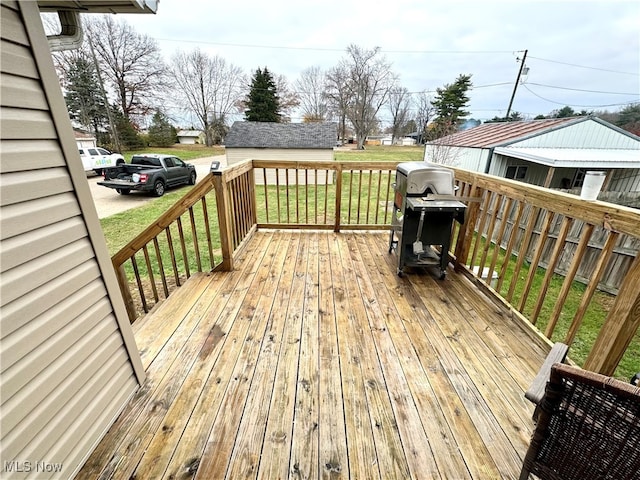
(332, 165)
(233, 171)
(613, 217)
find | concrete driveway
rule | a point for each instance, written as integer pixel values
(108, 202)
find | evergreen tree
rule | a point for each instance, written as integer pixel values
(263, 103)
(629, 118)
(564, 112)
(161, 132)
(129, 137)
(450, 103)
(84, 101)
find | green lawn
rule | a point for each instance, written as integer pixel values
(185, 152)
(381, 153)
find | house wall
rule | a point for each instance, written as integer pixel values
(235, 155)
(187, 140)
(536, 173)
(68, 359)
(86, 143)
(624, 180)
(469, 158)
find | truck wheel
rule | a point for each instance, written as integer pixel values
(98, 171)
(158, 188)
(123, 191)
(192, 178)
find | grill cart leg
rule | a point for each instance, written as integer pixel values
(392, 243)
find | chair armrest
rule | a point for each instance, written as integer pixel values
(557, 354)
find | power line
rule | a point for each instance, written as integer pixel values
(587, 67)
(325, 49)
(580, 90)
(435, 52)
(574, 105)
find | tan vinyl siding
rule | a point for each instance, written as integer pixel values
(68, 362)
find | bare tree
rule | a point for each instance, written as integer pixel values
(338, 94)
(425, 113)
(312, 91)
(289, 98)
(369, 80)
(399, 101)
(131, 62)
(208, 88)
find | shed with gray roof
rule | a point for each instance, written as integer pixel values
(282, 141)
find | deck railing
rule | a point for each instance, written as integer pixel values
(514, 225)
(510, 227)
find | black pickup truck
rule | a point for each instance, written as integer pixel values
(150, 173)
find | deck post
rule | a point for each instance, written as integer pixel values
(223, 202)
(620, 326)
(126, 293)
(336, 225)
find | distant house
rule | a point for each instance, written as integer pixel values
(555, 153)
(191, 137)
(282, 141)
(84, 140)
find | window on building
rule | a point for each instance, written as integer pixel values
(578, 178)
(516, 172)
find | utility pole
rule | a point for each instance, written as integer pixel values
(515, 87)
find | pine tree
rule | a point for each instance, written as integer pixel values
(450, 102)
(84, 101)
(161, 132)
(263, 103)
(129, 137)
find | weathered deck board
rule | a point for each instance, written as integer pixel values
(313, 359)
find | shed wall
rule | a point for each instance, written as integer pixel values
(235, 155)
(68, 361)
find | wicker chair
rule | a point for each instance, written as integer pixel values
(588, 428)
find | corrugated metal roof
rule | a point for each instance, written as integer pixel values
(281, 135)
(490, 135)
(576, 157)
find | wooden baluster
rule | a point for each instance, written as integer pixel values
(143, 298)
(522, 253)
(152, 281)
(551, 266)
(598, 272)
(533, 267)
(498, 246)
(163, 275)
(336, 225)
(194, 234)
(509, 250)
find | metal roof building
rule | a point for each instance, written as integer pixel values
(551, 152)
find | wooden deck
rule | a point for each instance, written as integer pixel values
(314, 359)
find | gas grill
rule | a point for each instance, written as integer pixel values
(424, 210)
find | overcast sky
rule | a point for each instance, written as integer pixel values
(585, 54)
